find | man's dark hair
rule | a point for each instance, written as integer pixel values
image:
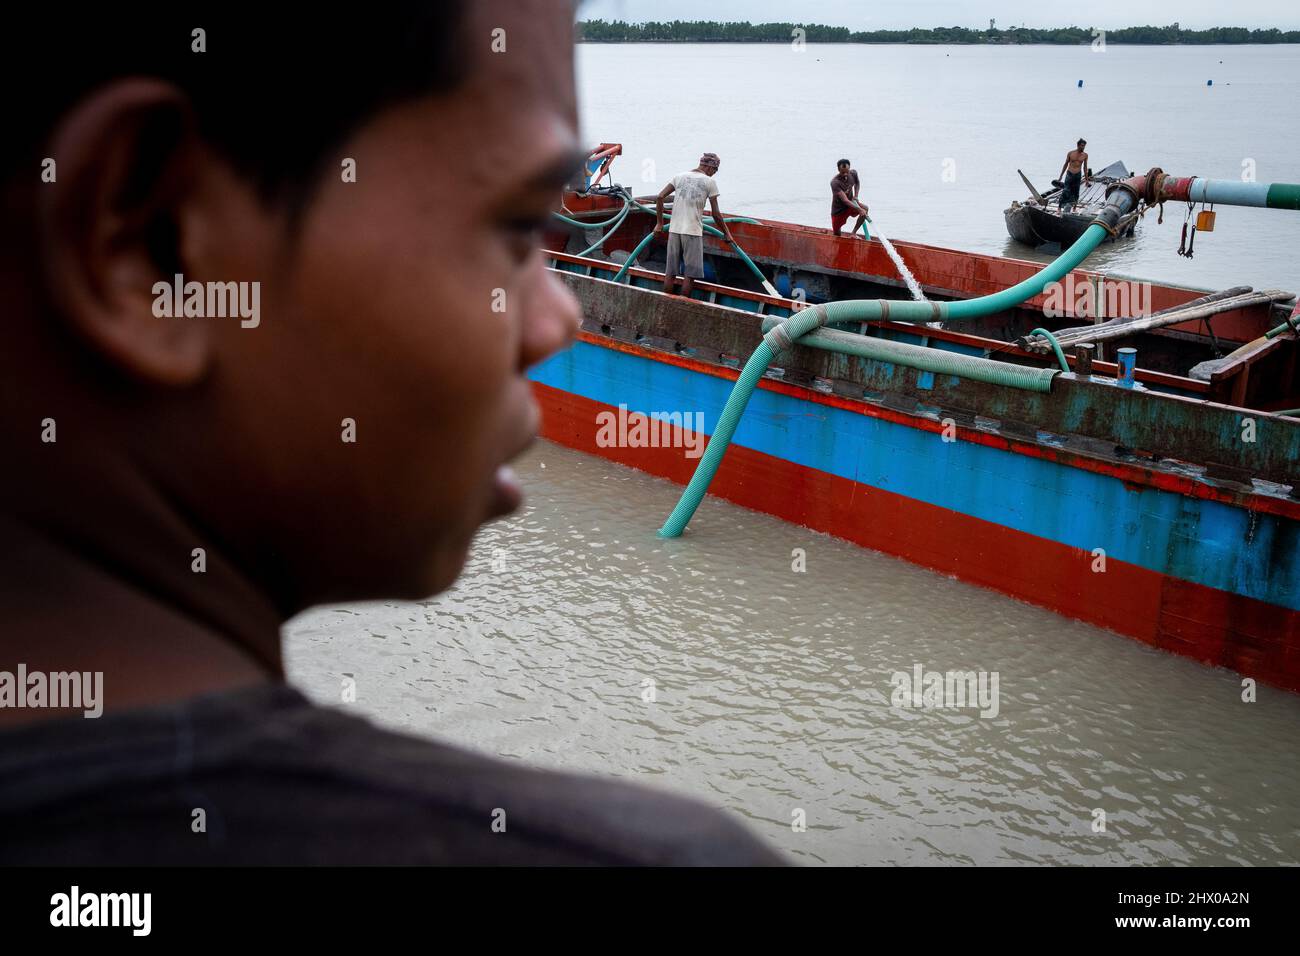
(843, 162)
(1082, 142)
(278, 86)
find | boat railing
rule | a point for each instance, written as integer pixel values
(760, 303)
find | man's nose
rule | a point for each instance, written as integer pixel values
(551, 318)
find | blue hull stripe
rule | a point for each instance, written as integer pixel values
(1205, 542)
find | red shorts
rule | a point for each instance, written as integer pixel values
(838, 219)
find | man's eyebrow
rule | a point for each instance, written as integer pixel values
(557, 173)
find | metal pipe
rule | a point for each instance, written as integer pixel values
(1229, 192)
(1083, 353)
(1157, 186)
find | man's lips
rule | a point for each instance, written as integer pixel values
(507, 492)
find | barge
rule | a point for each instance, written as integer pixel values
(1139, 497)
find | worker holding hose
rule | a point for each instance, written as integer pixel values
(845, 188)
(686, 231)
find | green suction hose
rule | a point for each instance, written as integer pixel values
(633, 257)
(767, 286)
(797, 325)
(617, 221)
(1284, 327)
(1056, 347)
(1035, 284)
(939, 362)
(781, 336)
(592, 225)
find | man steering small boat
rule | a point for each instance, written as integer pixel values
(1075, 170)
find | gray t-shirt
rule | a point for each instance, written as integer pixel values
(690, 192)
(283, 781)
(843, 183)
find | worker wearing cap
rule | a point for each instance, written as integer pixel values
(686, 231)
(1075, 169)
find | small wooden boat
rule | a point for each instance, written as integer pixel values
(1039, 220)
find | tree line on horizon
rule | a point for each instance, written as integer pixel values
(712, 31)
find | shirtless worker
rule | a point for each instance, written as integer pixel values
(845, 187)
(686, 231)
(1075, 169)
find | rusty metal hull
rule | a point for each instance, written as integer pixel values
(827, 267)
(1145, 512)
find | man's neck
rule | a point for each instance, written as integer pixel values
(88, 606)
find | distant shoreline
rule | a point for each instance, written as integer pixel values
(618, 31)
(933, 42)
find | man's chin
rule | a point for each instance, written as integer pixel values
(432, 572)
(445, 567)
(440, 573)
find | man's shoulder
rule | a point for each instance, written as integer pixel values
(517, 813)
(277, 779)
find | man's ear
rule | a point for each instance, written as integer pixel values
(110, 227)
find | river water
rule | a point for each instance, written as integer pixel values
(938, 132)
(772, 690)
(710, 665)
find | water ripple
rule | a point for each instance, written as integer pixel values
(577, 639)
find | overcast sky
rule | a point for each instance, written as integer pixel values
(901, 14)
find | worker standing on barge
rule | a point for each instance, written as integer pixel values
(1075, 169)
(686, 231)
(845, 187)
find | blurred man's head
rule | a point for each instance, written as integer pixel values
(709, 163)
(382, 176)
(843, 166)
